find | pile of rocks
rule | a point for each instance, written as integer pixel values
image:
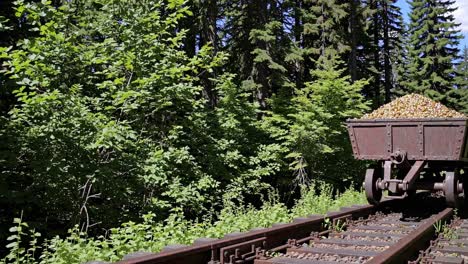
(413, 106)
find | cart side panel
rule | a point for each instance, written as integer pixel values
(407, 137)
(442, 142)
(421, 139)
(368, 141)
(465, 145)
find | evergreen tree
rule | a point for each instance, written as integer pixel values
(432, 50)
(460, 95)
(462, 69)
(316, 122)
(324, 30)
(392, 30)
(254, 34)
(358, 23)
(402, 65)
(209, 36)
(371, 53)
(385, 30)
(202, 30)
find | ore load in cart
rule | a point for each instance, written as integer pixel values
(418, 144)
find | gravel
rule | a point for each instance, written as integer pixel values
(379, 219)
(413, 106)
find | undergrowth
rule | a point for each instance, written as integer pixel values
(152, 236)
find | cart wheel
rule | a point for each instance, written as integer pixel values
(453, 197)
(464, 181)
(373, 193)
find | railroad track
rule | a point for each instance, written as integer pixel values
(382, 233)
(382, 238)
(243, 247)
(450, 247)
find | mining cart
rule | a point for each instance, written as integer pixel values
(412, 154)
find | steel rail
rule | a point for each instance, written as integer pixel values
(447, 248)
(220, 250)
(410, 244)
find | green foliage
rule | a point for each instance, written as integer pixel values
(320, 202)
(311, 130)
(385, 32)
(152, 236)
(322, 21)
(18, 253)
(339, 226)
(459, 96)
(432, 48)
(109, 110)
(113, 109)
(445, 230)
(110, 121)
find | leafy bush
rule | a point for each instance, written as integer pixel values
(109, 120)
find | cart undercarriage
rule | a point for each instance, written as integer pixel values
(412, 155)
(401, 181)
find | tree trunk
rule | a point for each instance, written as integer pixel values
(260, 70)
(354, 44)
(299, 65)
(387, 65)
(209, 35)
(376, 54)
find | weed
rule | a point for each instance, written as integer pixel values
(337, 226)
(152, 236)
(445, 230)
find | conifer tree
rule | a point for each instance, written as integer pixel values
(255, 36)
(385, 30)
(297, 56)
(358, 22)
(462, 69)
(324, 29)
(316, 120)
(402, 66)
(460, 94)
(392, 22)
(202, 30)
(432, 49)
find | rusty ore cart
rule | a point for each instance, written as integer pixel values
(412, 154)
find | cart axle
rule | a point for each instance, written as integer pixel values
(407, 182)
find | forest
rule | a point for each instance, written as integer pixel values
(154, 113)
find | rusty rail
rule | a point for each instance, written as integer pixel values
(252, 246)
(450, 247)
(382, 238)
(412, 243)
(239, 247)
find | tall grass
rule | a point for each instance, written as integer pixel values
(152, 236)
